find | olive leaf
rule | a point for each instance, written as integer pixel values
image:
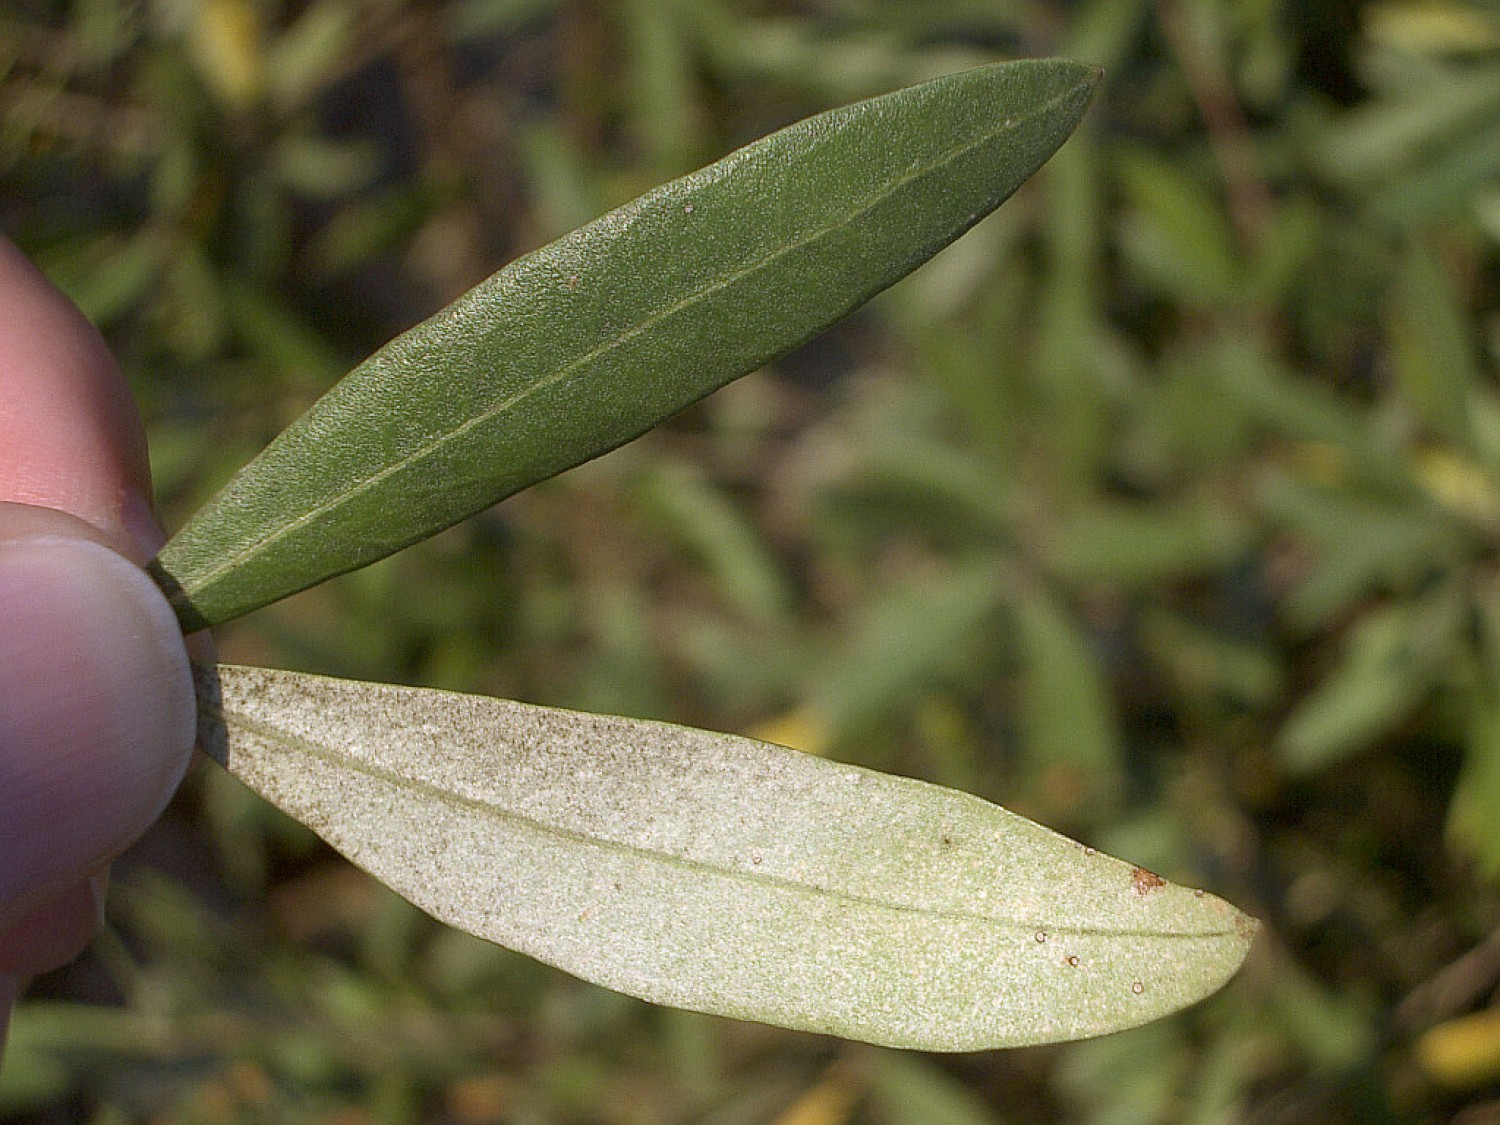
(586, 343)
(720, 874)
(693, 869)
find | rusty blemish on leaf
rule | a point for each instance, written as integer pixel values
(1246, 926)
(1143, 882)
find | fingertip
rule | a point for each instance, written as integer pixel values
(96, 712)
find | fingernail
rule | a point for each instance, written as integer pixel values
(96, 712)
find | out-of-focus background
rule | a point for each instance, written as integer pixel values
(1163, 508)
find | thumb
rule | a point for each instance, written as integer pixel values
(96, 717)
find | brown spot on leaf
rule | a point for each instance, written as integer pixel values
(1143, 882)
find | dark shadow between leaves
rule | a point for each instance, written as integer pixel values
(213, 737)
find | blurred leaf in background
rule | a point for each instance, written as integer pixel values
(1163, 508)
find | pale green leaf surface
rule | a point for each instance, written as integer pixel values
(588, 342)
(719, 874)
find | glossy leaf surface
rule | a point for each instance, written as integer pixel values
(586, 343)
(719, 874)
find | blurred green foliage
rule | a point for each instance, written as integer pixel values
(1163, 508)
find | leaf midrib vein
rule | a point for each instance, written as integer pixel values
(430, 449)
(331, 756)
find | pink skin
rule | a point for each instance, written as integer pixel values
(96, 709)
(70, 438)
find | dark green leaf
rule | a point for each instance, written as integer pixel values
(586, 343)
